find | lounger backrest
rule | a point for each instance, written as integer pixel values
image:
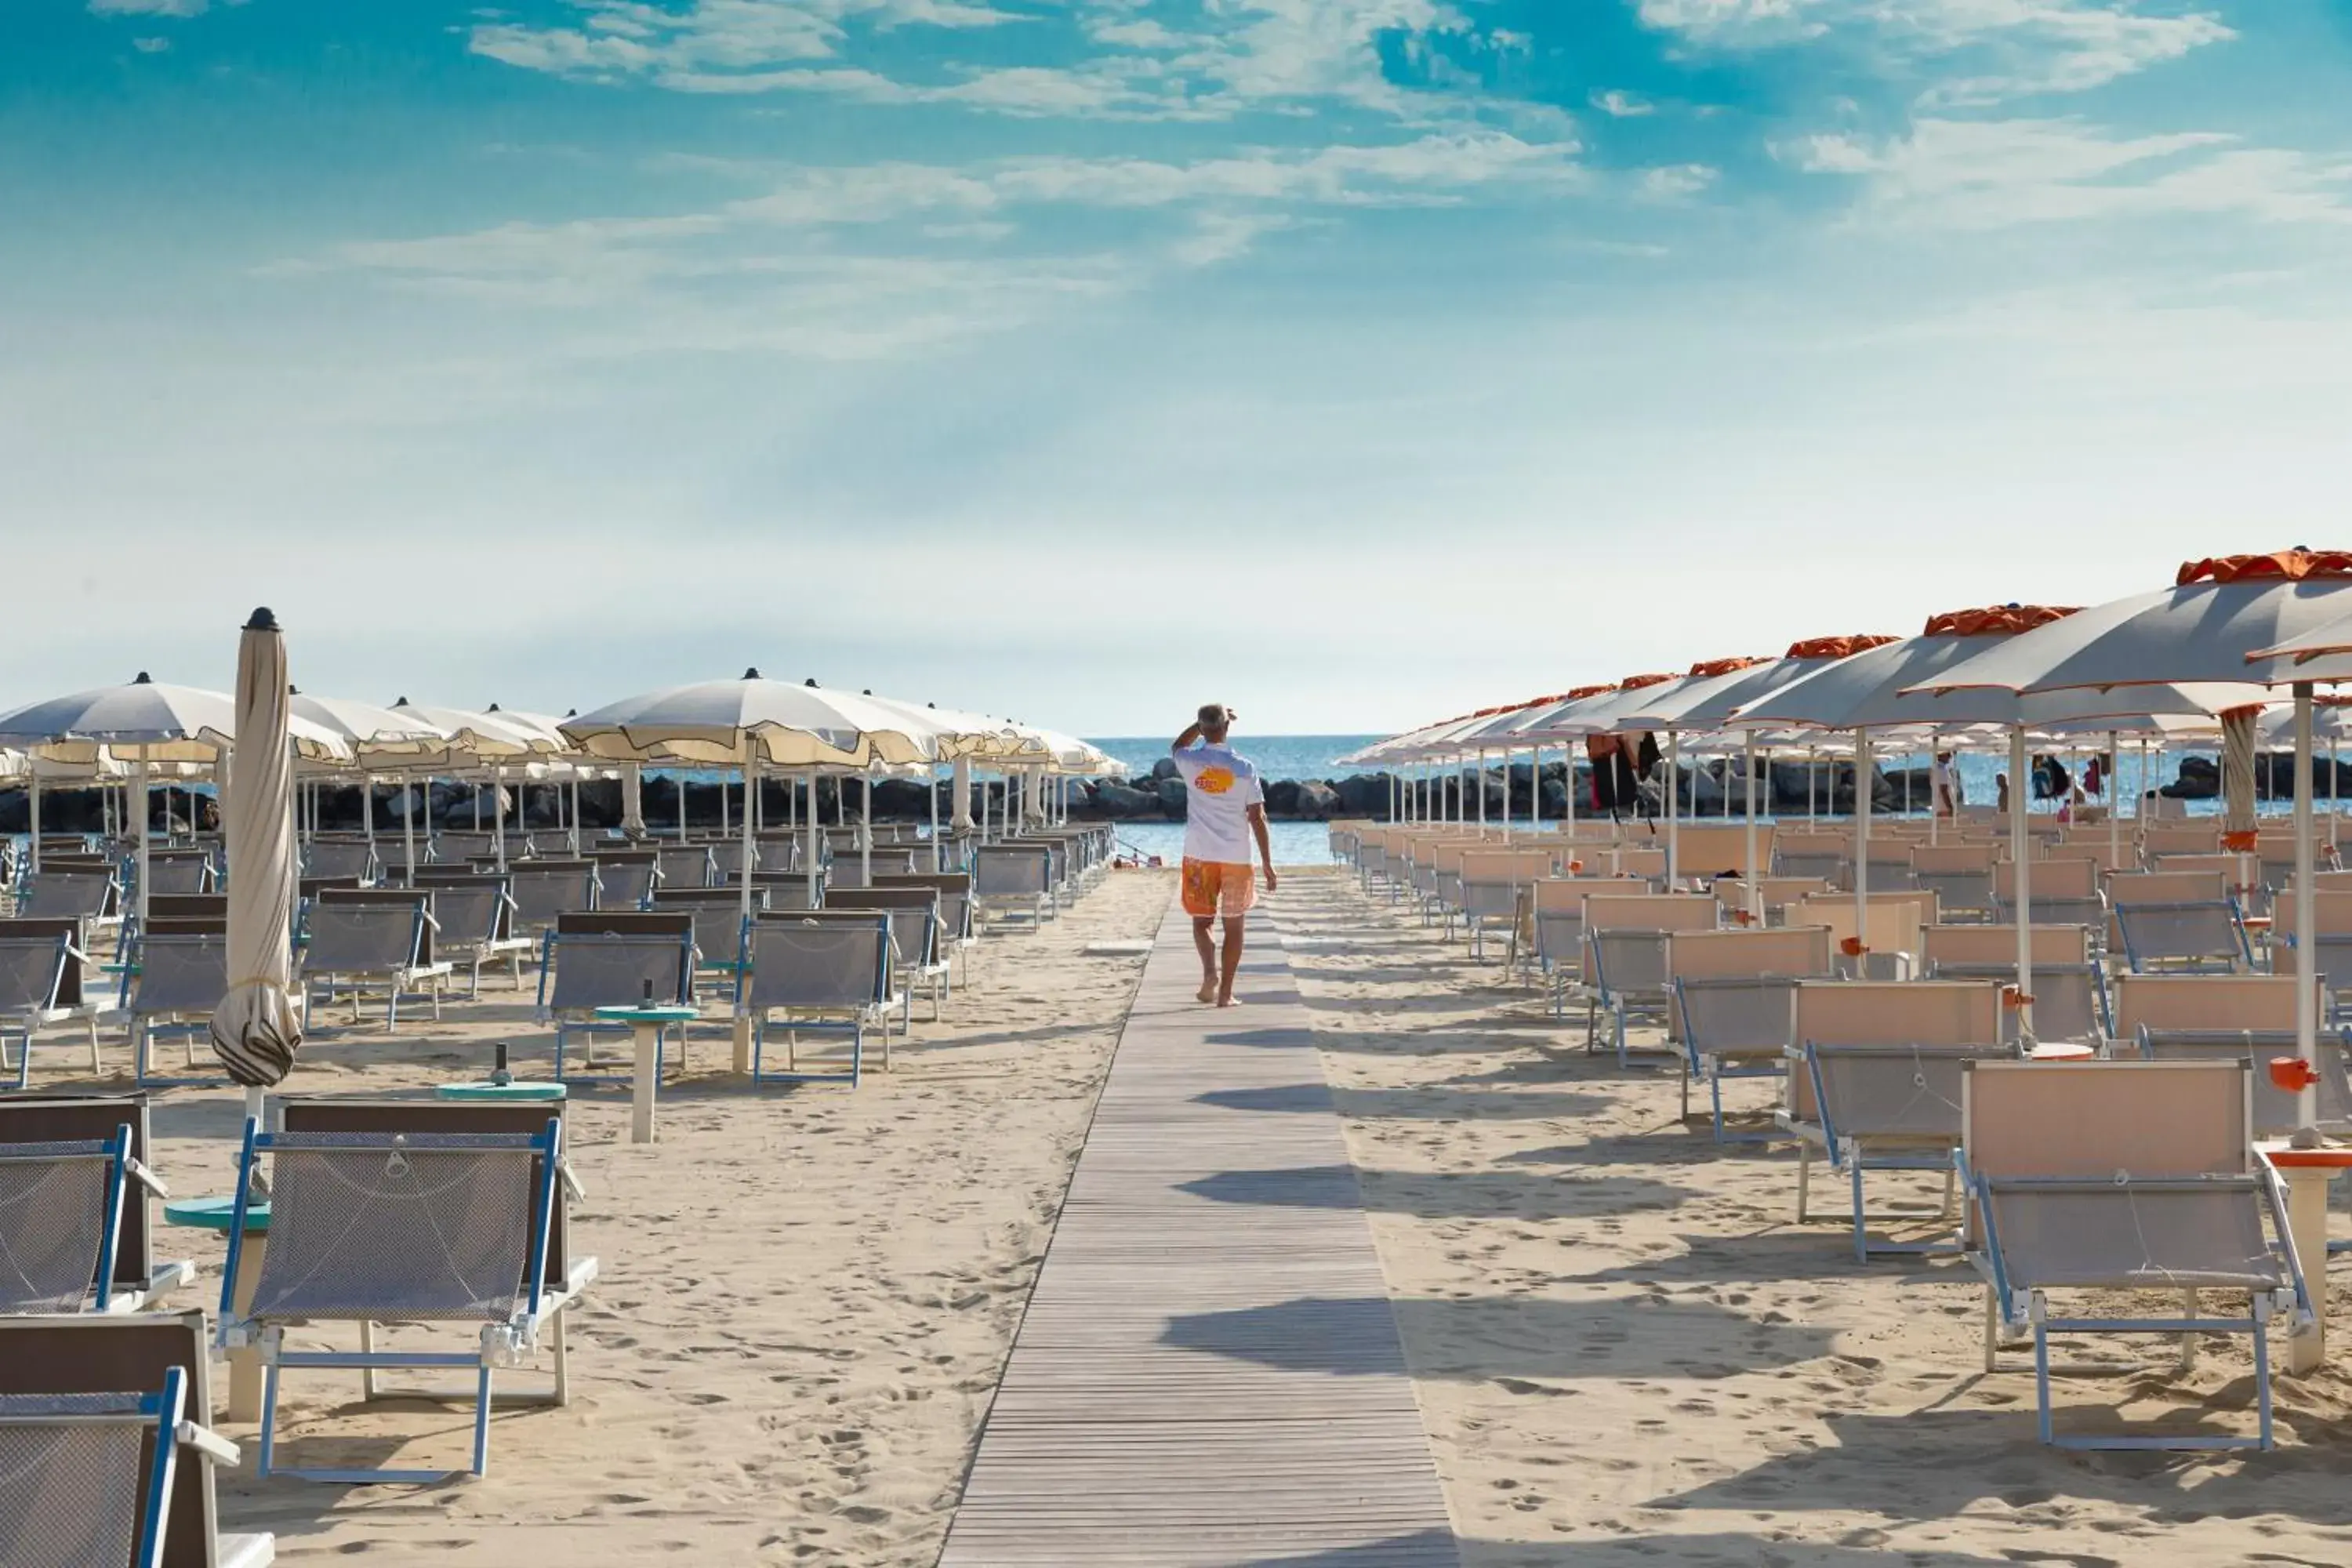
(1890, 1012)
(544, 890)
(685, 866)
(51, 928)
(2275, 1109)
(1711, 849)
(94, 1353)
(2072, 879)
(1791, 951)
(777, 852)
(2331, 911)
(41, 1119)
(1639, 860)
(1651, 911)
(2182, 838)
(914, 918)
(363, 938)
(179, 974)
(2203, 1002)
(326, 1114)
(1942, 945)
(789, 889)
(2166, 887)
(178, 873)
(332, 858)
(1895, 919)
(897, 862)
(471, 914)
(1903, 1089)
(2098, 1118)
(819, 964)
(32, 969)
(585, 970)
(67, 895)
(2067, 1000)
(954, 889)
(1569, 893)
(1511, 868)
(1008, 870)
(1952, 858)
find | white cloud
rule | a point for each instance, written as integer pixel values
(1998, 49)
(706, 40)
(147, 7)
(151, 46)
(1983, 175)
(1675, 181)
(1619, 105)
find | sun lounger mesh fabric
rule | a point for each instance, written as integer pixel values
(815, 965)
(1633, 962)
(602, 969)
(395, 1226)
(65, 895)
(624, 885)
(52, 1225)
(2201, 934)
(541, 896)
(178, 876)
(363, 939)
(1745, 1013)
(2135, 1233)
(180, 974)
(71, 1487)
(467, 917)
(28, 973)
(338, 860)
(998, 872)
(2274, 1108)
(1894, 1091)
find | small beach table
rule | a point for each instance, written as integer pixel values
(517, 1090)
(646, 1024)
(219, 1214)
(2307, 1172)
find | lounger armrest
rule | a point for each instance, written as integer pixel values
(573, 1187)
(147, 1178)
(581, 1275)
(208, 1442)
(171, 1276)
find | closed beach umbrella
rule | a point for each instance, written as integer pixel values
(256, 1030)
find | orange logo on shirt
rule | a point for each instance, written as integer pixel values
(1214, 781)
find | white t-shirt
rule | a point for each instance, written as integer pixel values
(1220, 786)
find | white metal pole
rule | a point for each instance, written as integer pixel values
(33, 806)
(865, 835)
(815, 839)
(1674, 829)
(1755, 873)
(1861, 803)
(2306, 967)
(2021, 855)
(139, 789)
(743, 912)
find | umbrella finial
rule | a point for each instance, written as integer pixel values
(142, 678)
(810, 681)
(261, 620)
(753, 673)
(402, 703)
(491, 709)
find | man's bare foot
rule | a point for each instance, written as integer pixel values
(1208, 991)
(1229, 1000)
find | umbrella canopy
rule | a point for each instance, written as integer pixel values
(366, 729)
(1707, 703)
(255, 1029)
(721, 723)
(147, 719)
(2217, 623)
(474, 737)
(546, 732)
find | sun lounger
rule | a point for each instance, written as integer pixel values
(180, 978)
(1836, 1013)
(2125, 1178)
(369, 1227)
(329, 1114)
(2178, 922)
(626, 878)
(375, 938)
(717, 914)
(1556, 927)
(1959, 875)
(179, 871)
(918, 954)
(2060, 893)
(1891, 945)
(687, 866)
(474, 920)
(2272, 1108)
(1013, 886)
(92, 897)
(2330, 945)
(957, 937)
(619, 958)
(341, 858)
(825, 972)
(1735, 997)
(1494, 884)
(1891, 1107)
(1625, 958)
(75, 1220)
(544, 890)
(40, 984)
(1817, 857)
(2203, 1002)
(69, 1507)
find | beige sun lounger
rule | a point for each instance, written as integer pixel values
(1734, 1003)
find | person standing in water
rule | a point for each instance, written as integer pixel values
(1224, 808)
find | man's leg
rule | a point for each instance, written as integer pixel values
(1201, 939)
(1233, 959)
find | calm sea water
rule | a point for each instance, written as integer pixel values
(1277, 756)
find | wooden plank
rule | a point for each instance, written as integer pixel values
(1116, 1439)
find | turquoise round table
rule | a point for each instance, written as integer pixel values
(519, 1089)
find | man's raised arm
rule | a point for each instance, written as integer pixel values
(1191, 733)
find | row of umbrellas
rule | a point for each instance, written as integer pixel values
(2207, 651)
(260, 735)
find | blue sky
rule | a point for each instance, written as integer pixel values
(1354, 360)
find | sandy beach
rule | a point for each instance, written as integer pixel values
(1628, 1355)
(807, 1293)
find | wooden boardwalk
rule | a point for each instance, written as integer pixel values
(1198, 1380)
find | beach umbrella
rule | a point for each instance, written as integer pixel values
(144, 722)
(256, 1030)
(2223, 619)
(372, 733)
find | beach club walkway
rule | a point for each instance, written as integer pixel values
(1153, 1411)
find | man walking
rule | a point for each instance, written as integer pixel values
(1224, 808)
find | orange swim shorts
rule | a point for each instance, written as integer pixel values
(1215, 888)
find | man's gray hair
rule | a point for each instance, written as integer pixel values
(1215, 715)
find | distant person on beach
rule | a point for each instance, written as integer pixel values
(1944, 785)
(1224, 808)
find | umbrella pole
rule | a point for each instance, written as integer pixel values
(2114, 818)
(724, 829)
(1506, 794)
(139, 786)
(33, 806)
(932, 788)
(498, 814)
(408, 828)
(866, 834)
(2021, 862)
(814, 859)
(2306, 989)
(1861, 803)
(1748, 861)
(1813, 813)
(1674, 789)
(1569, 753)
(1482, 789)
(743, 922)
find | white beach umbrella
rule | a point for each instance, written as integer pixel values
(2222, 619)
(256, 1030)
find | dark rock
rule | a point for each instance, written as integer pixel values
(1555, 801)
(1171, 798)
(1364, 795)
(1282, 797)
(1317, 802)
(2201, 779)
(1122, 802)
(1165, 769)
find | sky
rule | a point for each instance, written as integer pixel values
(1354, 362)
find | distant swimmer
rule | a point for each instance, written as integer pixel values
(1224, 808)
